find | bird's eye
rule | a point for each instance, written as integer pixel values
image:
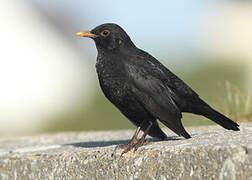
(105, 33)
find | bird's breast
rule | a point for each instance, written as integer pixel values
(113, 79)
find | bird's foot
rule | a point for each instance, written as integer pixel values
(131, 143)
(135, 146)
(134, 143)
(125, 146)
(141, 142)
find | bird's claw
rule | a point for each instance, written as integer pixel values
(134, 146)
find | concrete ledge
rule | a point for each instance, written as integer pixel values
(212, 153)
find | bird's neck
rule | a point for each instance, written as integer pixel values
(119, 46)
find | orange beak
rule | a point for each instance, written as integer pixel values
(86, 34)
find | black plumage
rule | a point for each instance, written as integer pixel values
(142, 88)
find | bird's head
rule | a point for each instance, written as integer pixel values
(108, 37)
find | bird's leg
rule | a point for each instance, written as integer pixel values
(132, 141)
(139, 143)
(142, 141)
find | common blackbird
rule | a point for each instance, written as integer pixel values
(143, 89)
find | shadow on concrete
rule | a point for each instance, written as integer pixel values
(92, 144)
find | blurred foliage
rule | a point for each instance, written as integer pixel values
(207, 80)
(235, 104)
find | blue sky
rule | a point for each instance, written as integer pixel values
(160, 27)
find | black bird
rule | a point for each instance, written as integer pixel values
(143, 89)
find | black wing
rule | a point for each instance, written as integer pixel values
(157, 98)
(170, 80)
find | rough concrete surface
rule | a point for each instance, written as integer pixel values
(211, 153)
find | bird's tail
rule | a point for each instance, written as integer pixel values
(220, 119)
